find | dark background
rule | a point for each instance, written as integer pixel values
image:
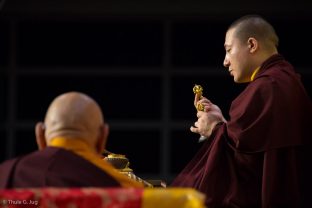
(139, 60)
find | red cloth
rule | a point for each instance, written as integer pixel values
(260, 158)
(66, 198)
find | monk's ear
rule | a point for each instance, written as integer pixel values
(102, 138)
(252, 45)
(40, 137)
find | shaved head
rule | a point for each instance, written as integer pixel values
(257, 27)
(73, 115)
(249, 41)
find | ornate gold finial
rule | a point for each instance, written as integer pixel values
(198, 89)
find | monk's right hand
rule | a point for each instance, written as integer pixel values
(208, 118)
(202, 100)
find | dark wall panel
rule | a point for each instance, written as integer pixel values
(82, 43)
(3, 97)
(25, 142)
(121, 97)
(183, 146)
(4, 43)
(198, 43)
(3, 145)
(294, 34)
(141, 147)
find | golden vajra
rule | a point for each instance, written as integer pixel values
(197, 89)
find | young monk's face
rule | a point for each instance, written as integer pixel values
(237, 57)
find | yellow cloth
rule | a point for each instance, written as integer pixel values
(81, 148)
(254, 74)
(172, 197)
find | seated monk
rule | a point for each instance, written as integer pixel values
(70, 142)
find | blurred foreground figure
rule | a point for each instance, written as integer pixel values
(261, 156)
(70, 142)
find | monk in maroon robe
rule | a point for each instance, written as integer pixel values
(70, 143)
(260, 157)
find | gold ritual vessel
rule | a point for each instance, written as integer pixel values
(121, 163)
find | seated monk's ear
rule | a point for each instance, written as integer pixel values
(102, 138)
(40, 137)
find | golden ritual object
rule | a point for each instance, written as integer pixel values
(121, 163)
(198, 89)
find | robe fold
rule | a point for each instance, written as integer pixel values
(261, 156)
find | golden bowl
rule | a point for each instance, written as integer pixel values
(117, 160)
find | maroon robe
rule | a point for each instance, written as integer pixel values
(261, 157)
(55, 167)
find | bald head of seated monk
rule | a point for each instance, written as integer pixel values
(73, 115)
(70, 140)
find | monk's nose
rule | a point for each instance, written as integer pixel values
(226, 62)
